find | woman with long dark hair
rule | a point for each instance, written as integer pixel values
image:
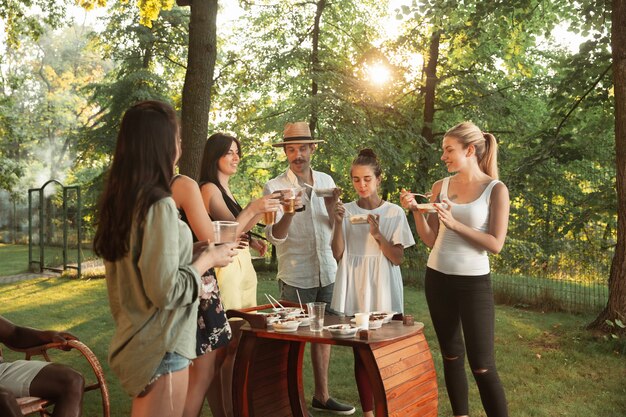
(152, 266)
(220, 161)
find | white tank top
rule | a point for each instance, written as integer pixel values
(454, 255)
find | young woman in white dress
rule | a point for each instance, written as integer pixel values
(369, 255)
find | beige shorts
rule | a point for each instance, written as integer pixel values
(17, 376)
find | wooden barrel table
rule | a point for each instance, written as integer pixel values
(267, 375)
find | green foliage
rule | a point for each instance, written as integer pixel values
(10, 173)
(148, 65)
(617, 335)
(20, 20)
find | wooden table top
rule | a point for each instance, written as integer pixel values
(389, 333)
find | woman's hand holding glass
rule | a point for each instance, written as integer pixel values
(267, 203)
(209, 255)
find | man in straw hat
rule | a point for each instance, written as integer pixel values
(306, 266)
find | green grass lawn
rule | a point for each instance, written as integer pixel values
(549, 365)
(14, 258)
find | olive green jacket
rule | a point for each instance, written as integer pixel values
(153, 296)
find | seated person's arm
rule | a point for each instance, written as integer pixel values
(25, 337)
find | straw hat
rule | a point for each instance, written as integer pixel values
(297, 132)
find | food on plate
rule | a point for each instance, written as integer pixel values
(288, 325)
(271, 317)
(430, 207)
(342, 330)
(287, 311)
(323, 192)
(304, 319)
(360, 218)
(375, 324)
(385, 315)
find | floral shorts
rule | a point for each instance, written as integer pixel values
(213, 330)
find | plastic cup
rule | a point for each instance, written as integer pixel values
(269, 217)
(224, 231)
(316, 314)
(288, 200)
(362, 320)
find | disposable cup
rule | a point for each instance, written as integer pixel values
(224, 231)
(316, 313)
(362, 320)
(269, 217)
(288, 200)
(289, 205)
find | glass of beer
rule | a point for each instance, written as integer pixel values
(288, 200)
(269, 217)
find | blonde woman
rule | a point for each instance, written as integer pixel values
(471, 223)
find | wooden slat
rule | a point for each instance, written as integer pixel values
(414, 391)
(410, 384)
(274, 407)
(408, 359)
(30, 405)
(399, 345)
(277, 388)
(399, 354)
(407, 375)
(425, 409)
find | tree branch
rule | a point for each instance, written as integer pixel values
(580, 100)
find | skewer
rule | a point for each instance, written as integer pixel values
(276, 301)
(270, 300)
(299, 300)
(427, 195)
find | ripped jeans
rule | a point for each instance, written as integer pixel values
(463, 315)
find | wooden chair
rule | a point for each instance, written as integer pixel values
(31, 405)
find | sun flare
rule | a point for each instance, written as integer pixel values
(378, 73)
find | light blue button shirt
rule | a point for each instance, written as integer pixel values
(305, 258)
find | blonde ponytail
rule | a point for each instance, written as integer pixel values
(485, 145)
(489, 161)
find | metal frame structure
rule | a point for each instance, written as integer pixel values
(40, 191)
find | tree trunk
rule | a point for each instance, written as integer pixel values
(315, 65)
(423, 160)
(616, 306)
(196, 101)
(431, 83)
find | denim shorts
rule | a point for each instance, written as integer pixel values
(171, 362)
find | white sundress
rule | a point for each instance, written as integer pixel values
(366, 280)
